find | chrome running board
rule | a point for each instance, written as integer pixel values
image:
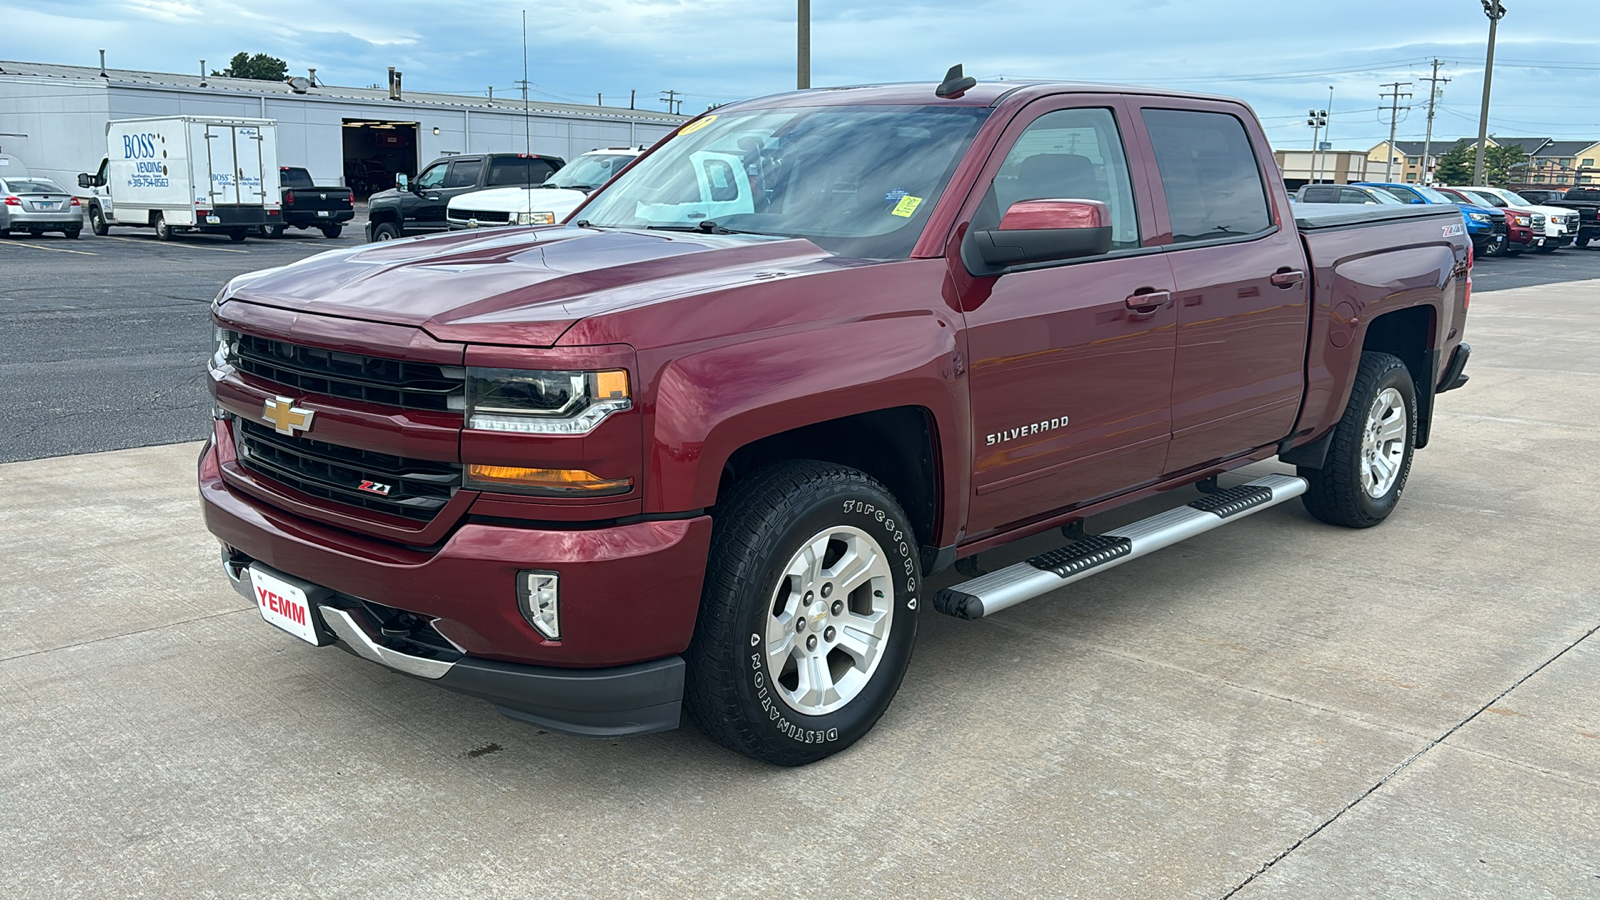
(1091, 555)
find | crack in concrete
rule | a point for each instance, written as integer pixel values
(1404, 764)
(116, 637)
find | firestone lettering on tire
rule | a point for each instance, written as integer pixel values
(898, 538)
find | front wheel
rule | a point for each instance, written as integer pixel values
(271, 231)
(1370, 457)
(97, 221)
(1494, 246)
(808, 614)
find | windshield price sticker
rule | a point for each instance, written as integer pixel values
(906, 207)
(696, 125)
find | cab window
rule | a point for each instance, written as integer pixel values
(463, 173)
(432, 178)
(1208, 173)
(1069, 154)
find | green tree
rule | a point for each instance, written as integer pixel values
(1455, 166)
(1504, 165)
(260, 67)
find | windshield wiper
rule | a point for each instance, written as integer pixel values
(705, 226)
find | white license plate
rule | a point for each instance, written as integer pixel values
(43, 205)
(283, 604)
(213, 220)
(323, 213)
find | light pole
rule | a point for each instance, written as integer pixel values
(803, 49)
(1327, 132)
(1316, 119)
(1496, 11)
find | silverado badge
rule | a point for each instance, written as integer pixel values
(285, 417)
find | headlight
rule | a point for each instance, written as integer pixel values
(1478, 217)
(1520, 220)
(536, 218)
(527, 402)
(226, 347)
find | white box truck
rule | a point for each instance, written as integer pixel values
(187, 173)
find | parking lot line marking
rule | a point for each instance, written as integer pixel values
(171, 244)
(51, 249)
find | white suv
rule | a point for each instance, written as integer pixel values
(1560, 223)
(542, 204)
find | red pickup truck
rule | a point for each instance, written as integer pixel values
(698, 449)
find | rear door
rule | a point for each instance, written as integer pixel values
(1069, 383)
(1242, 292)
(222, 164)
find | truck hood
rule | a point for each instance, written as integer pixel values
(521, 286)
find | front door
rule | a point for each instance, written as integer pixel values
(1069, 380)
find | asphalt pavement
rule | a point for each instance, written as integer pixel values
(103, 341)
(1278, 708)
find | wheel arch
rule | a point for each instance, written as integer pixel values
(1410, 334)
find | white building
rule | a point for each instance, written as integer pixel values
(54, 119)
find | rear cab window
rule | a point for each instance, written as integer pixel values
(1209, 174)
(505, 171)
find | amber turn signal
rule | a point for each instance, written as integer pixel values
(546, 481)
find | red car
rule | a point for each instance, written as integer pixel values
(1522, 225)
(698, 450)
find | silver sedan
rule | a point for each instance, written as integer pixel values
(37, 205)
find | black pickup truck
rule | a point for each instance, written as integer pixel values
(1587, 202)
(418, 205)
(308, 205)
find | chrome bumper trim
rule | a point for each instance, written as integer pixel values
(355, 637)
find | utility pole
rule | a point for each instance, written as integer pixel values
(1496, 11)
(1427, 142)
(670, 98)
(802, 79)
(1393, 97)
(1316, 118)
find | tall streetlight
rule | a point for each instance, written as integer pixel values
(1496, 11)
(1316, 118)
(803, 50)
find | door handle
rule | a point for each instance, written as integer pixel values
(1147, 300)
(1287, 277)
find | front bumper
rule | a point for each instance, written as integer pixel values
(618, 700)
(629, 597)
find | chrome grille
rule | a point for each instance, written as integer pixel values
(374, 379)
(418, 488)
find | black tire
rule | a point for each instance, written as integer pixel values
(1582, 240)
(237, 235)
(1338, 494)
(164, 231)
(72, 233)
(97, 221)
(332, 231)
(385, 231)
(730, 693)
(271, 231)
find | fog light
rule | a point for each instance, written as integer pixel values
(537, 594)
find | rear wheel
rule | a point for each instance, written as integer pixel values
(808, 615)
(164, 231)
(97, 221)
(1370, 457)
(236, 235)
(332, 231)
(73, 233)
(385, 231)
(1582, 240)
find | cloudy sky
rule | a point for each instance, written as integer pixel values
(1281, 56)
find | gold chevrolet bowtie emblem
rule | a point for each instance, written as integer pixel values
(285, 418)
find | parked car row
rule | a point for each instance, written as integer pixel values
(1499, 221)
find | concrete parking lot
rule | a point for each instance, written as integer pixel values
(1275, 709)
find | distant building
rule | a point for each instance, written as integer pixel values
(54, 117)
(1302, 167)
(1551, 163)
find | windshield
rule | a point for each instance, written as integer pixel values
(588, 171)
(1431, 195)
(33, 186)
(1485, 199)
(856, 180)
(1512, 198)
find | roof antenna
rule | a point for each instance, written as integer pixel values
(955, 84)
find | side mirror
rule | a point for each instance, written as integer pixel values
(401, 182)
(1044, 231)
(1417, 200)
(85, 180)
